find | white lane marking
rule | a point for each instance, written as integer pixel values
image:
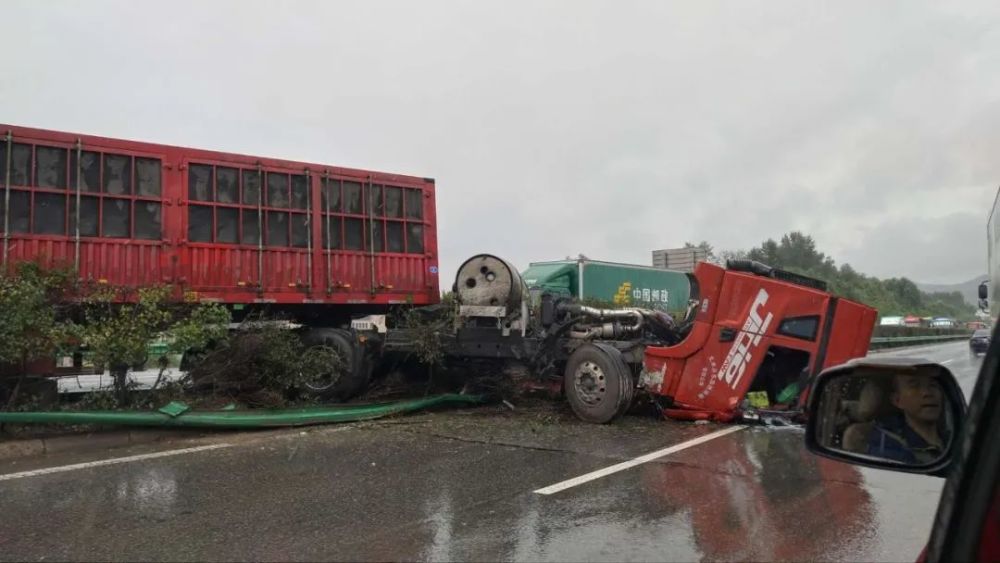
(586, 478)
(112, 461)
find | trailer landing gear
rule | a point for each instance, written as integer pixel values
(598, 383)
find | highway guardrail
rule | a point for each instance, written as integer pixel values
(880, 342)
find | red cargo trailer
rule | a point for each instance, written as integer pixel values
(221, 227)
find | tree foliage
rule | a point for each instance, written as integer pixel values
(709, 251)
(43, 312)
(30, 302)
(260, 363)
(797, 252)
(117, 330)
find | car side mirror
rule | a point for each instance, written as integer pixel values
(899, 414)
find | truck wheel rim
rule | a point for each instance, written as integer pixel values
(590, 383)
(321, 380)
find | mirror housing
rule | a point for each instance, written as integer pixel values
(878, 412)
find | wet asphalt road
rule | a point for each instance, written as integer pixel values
(458, 486)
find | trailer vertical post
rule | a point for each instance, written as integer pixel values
(325, 190)
(6, 195)
(371, 232)
(260, 228)
(76, 211)
(309, 237)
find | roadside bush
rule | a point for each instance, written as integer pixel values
(262, 364)
(95, 401)
(896, 331)
(426, 332)
(426, 325)
(118, 327)
(32, 324)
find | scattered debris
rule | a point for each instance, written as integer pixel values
(259, 365)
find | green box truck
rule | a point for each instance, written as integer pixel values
(621, 284)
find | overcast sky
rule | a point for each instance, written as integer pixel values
(558, 128)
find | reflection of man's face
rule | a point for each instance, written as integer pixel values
(919, 396)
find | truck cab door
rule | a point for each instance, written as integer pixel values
(762, 328)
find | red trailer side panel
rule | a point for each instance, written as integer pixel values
(225, 227)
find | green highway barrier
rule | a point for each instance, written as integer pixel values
(178, 414)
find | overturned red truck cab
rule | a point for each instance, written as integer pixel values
(756, 331)
(749, 343)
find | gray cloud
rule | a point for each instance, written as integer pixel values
(563, 127)
(896, 245)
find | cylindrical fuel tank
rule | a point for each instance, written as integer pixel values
(487, 280)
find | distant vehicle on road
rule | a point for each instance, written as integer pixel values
(891, 321)
(979, 343)
(943, 322)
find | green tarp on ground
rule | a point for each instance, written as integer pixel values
(177, 414)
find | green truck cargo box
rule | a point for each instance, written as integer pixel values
(621, 284)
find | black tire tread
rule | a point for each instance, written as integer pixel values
(354, 380)
(614, 366)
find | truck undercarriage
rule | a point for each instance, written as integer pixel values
(749, 341)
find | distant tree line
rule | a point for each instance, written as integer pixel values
(797, 252)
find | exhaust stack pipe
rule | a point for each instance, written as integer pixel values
(605, 314)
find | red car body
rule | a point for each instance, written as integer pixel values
(743, 322)
(221, 227)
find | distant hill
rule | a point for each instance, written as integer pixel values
(968, 289)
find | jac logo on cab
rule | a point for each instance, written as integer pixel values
(746, 342)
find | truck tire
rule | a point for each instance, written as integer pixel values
(351, 379)
(598, 383)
